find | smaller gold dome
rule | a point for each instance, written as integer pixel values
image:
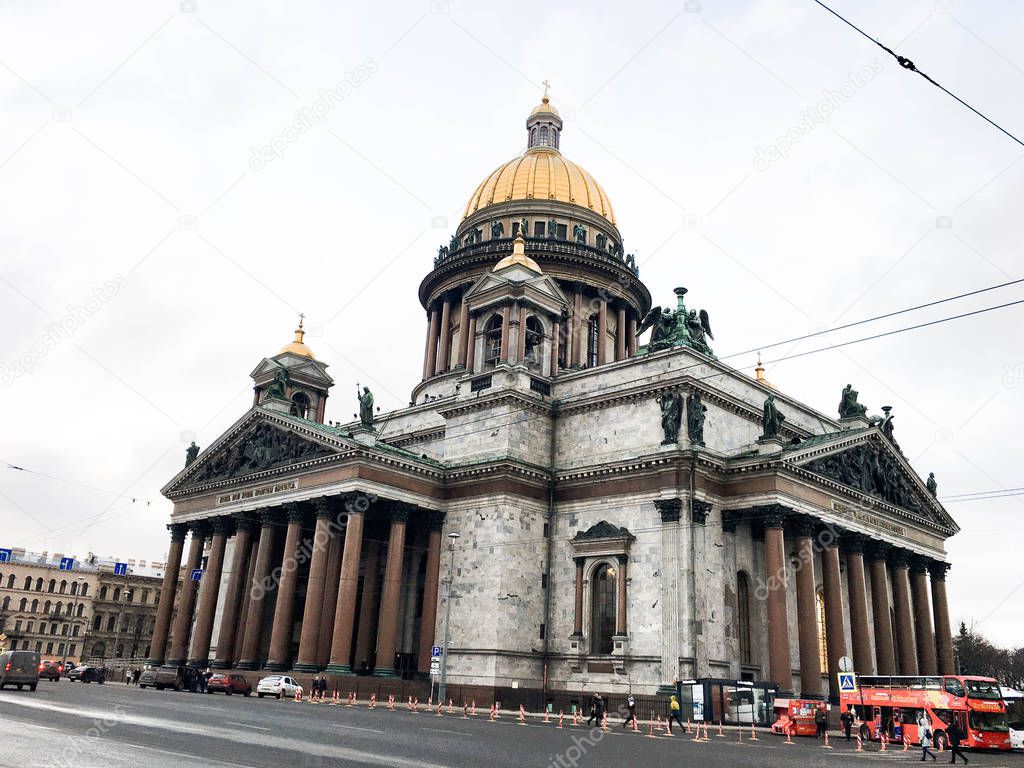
(518, 256)
(298, 347)
(544, 107)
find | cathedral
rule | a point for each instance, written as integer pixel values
(591, 497)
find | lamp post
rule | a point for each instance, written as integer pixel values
(441, 691)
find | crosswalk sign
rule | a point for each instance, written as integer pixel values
(847, 682)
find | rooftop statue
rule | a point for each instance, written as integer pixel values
(848, 405)
(933, 487)
(279, 385)
(671, 416)
(678, 328)
(772, 420)
(193, 450)
(365, 406)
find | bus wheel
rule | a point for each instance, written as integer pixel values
(941, 741)
(865, 733)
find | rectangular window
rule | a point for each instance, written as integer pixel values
(39, 646)
(539, 229)
(17, 625)
(71, 650)
(543, 581)
(541, 631)
(49, 648)
(547, 530)
(562, 231)
(60, 649)
(74, 632)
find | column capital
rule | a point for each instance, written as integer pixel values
(699, 511)
(244, 522)
(178, 531)
(295, 513)
(803, 526)
(938, 569)
(669, 509)
(730, 518)
(877, 550)
(772, 515)
(399, 512)
(323, 506)
(853, 543)
(436, 521)
(580, 560)
(199, 528)
(919, 563)
(899, 557)
(269, 517)
(622, 558)
(221, 525)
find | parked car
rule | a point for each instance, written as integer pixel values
(170, 676)
(279, 686)
(1017, 735)
(86, 674)
(19, 668)
(220, 682)
(50, 670)
(148, 677)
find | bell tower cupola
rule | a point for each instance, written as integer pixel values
(293, 381)
(543, 126)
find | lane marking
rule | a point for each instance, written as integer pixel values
(442, 730)
(243, 725)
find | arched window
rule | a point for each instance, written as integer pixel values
(492, 340)
(822, 639)
(103, 592)
(534, 338)
(46, 607)
(99, 649)
(743, 617)
(58, 608)
(68, 609)
(533, 138)
(23, 605)
(39, 585)
(602, 621)
(111, 623)
(554, 138)
(74, 587)
(300, 404)
(52, 586)
(117, 594)
(97, 621)
(35, 606)
(592, 342)
(63, 586)
(10, 582)
(85, 590)
(80, 610)
(544, 136)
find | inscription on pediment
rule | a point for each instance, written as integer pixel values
(872, 470)
(265, 447)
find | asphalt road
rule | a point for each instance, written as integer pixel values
(69, 724)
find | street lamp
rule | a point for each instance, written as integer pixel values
(447, 618)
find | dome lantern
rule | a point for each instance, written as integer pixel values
(543, 126)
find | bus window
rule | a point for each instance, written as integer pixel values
(980, 689)
(933, 683)
(945, 715)
(954, 686)
(988, 721)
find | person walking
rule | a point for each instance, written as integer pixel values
(596, 709)
(630, 710)
(820, 722)
(955, 736)
(674, 713)
(846, 720)
(926, 742)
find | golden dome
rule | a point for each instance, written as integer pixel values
(544, 106)
(518, 256)
(298, 347)
(541, 174)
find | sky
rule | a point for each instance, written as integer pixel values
(163, 223)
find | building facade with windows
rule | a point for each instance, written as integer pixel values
(629, 514)
(83, 614)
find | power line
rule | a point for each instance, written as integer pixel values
(982, 493)
(909, 65)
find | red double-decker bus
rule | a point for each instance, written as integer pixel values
(894, 705)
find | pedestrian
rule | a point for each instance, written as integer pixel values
(674, 713)
(955, 736)
(846, 719)
(596, 708)
(926, 742)
(630, 710)
(820, 722)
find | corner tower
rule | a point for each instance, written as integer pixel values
(293, 381)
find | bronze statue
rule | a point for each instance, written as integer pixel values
(365, 407)
(279, 385)
(772, 420)
(190, 453)
(579, 233)
(699, 327)
(695, 410)
(453, 244)
(524, 228)
(848, 405)
(600, 241)
(497, 229)
(671, 416)
(933, 487)
(552, 229)
(678, 328)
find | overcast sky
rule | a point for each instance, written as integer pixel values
(161, 232)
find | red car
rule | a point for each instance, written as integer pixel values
(229, 684)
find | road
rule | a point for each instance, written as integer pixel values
(69, 724)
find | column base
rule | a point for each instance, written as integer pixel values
(220, 664)
(204, 663)
(385, 672)
(276, 666)
(247, 665)
(174, 663)
(342, 670)
(155, 662)
(306, 666)
(666, 690)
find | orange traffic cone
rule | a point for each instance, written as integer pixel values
(439, 708)
(450, 710)
(789, 736)
(522, 715)
(721, 733)
(753, 733)
(650, 733)
(472, 709)
(561, 716)
(546, 715)
(298, 695)
(636, 728)
(575, 718)
(906, 743)
(860, 743)
(882, 739)
(665, 726)
(391, 703)
(604, 723)
(373, 701)
(826, 745)
(493, 712)
(465, 711)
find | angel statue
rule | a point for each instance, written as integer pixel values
(678, 328)
(663, 321)
(699, 328)
(278, 387)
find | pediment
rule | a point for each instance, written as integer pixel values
(255, 445)
(299, 368)
(872, 466)
(541, 288)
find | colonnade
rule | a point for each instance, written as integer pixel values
(260, 581)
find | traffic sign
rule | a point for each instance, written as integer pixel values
(120, 569)
(845, 664)
(435, 652)
(197, 574)
(67, 564)
(847, 682)
(5, 555)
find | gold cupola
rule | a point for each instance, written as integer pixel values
(298, 346)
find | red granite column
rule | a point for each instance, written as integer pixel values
(927, 664)
(388, 622)
(311, 618)
(807, 611)
(521, 338)
(620, 333)
(463, 333)
(168, 589)
(243, 610)
(430, 355)
(556, 330)
(863, 661)
(233, 599)
(446, 336)
(348, 583)
(331, 578)
(181, 633)
(428, 617)
(899, 560)
(279, 654)
(577, 620)
(505, 330)
(631, 342)
(779, 665)
(257, 593)
(835, 637)
(940, 608)
(471, 339)
(602, 332)
(885, 654)
(209, 591)
(622, 614)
